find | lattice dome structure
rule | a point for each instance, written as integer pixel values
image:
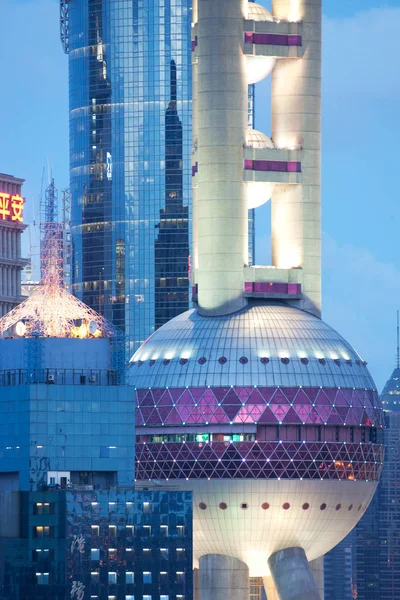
(268, 407)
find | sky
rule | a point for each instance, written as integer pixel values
(361, 128)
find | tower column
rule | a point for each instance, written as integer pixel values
(296, 122)
(223, 578)
(221, 213)
(292, 575)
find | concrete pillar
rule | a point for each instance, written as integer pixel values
(317, 568)
(223, 578)
(292, 575)
(296, 121)
(196, 583)
(222, 125)
(270, 588)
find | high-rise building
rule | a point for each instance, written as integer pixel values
(71, 524)
(130, 83)
(11, 228)
(130, 158)
(250, 400)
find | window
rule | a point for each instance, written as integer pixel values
(95, 530)
(147, 530)
(146, 597)
(42, 508)
(180, 553)
(42, 578)
(180, 577)
(41, 554)
(130, 577)
(95, 554)
(180, 529)
(112, 577)
(146, 577)
(129, 597)
(164, 553)
(164, 597)
(94, 577)
(112, 530)
(147, 507)
(112, 553)
(129, 508)
(164, 531)
(40, 532)
(130, 530)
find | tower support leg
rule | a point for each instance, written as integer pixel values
(292, 575)
(223, 578)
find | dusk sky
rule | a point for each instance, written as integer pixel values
(361, 128)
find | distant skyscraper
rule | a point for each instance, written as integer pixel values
(11, 228)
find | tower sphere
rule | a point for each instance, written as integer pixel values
(270, 417)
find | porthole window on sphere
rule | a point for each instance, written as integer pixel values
(305, 506)
(183, 361)
(202, 506)
(264, 360)
(351, 507)
(304, 361)
(152, 362)
(202, 360)
(265, 506)
(243, 360)
(244, 505)
(338, 506)
(336, 361)
(166, 361)
(286, 506)
(223, 506)
(359, 508)
(323, 506)
(222, 360)
(140, 362)
(322, 361)
(285, 361)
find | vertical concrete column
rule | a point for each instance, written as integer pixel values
(196, 583)
(292, 575)
(296, 121)
(222, 122)
(270, 588)
(195, 142)
(317, 568)
(223, 578)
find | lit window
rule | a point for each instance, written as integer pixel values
(146, 597)
(129, 597)
(180, 553)
(112, 577)
(180, 530)
(164, 531)
(112, 530)
(130, 577)
(130, 530)
(164, 597)
(146, 577)
(95, 530)
(147, 530)
(95, 554)
(94, 577)
(42, 578)
(164, 553)
(180, 577)
(147, 507)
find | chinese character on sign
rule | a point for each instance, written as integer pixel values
(11, 207)
(77, 590)
(4, 206)
(17, 205)
(78, 543)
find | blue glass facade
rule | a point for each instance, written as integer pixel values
(103, 545)
(130, 158)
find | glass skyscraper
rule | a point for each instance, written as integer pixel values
(130, 157)
(130, 83)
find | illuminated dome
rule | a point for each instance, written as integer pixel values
(270, 418)
(258, 193)
(257, 139)
(258, 13)
(259, 67)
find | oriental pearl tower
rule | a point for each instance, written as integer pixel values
(249, 399)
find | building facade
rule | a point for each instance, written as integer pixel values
(11, 229)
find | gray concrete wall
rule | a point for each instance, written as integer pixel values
(221, 212)
(223, 578)
(292, 575)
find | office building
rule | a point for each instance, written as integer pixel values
(72, 525)
(11, 228)
(250, 400)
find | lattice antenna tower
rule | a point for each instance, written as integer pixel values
(51, 241)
